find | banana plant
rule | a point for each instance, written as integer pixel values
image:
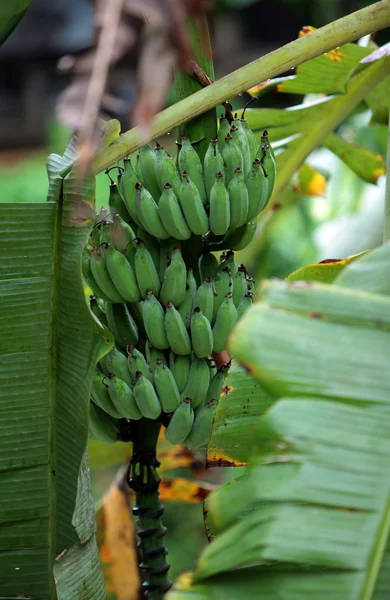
(43, 250)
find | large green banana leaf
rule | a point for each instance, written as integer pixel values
(49, 346)
(310, 517)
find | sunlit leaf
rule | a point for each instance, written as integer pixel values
(365, 163)
(378, 100)
(325, 271)
(327, 73)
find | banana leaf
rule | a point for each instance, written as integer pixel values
(310, 517)
(48, 350)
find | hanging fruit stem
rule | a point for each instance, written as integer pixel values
(144, 480)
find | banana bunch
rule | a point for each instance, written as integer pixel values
(169, 302)
(181, 390)
(219, 199)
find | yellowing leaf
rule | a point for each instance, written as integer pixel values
(184, 490)
(311, 182)
(116, 541)
(325, 271)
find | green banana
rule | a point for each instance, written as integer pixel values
(244, 304)
(101, 426)
(106, 231)
(269, 166)
(190, 163)
(232, 158)
(185, 307)
(101, 397)
(176, 332)
(204, 298)
(165, 170)
(152, 244)
(252, 141)
(153, 355)
(223, 284)
(166, 249)
(122, 275)
(154, 321)
(146, 397)
(123, 398)
(251, 286)
(102, 277)
(201, 334)
(137, 169)
(192, 206)
(116, 203)
(128, 182)
(148, 213)
(223, 131)
(239, 201)
(200, 433)
(238, 239)
(208, 265)
(117, 364)
(221, 263)
(88, 275)
(213, 164)
(217, 382)
(166, 387)
(224, 323)
(181, 423)
(121, 324)
(122, 234)
(231, 263)
(171, 214)
(219, 207)
(180, 368)
(145, 270)
(136, 363)
(258, 187)
(240, 139)
(198, 382)
(239, 285)
(265, 140)
(173, 287)
(147, 166)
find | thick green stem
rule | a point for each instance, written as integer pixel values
(347, 29)
(203, 127)
(143, 479)
(386, 228)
